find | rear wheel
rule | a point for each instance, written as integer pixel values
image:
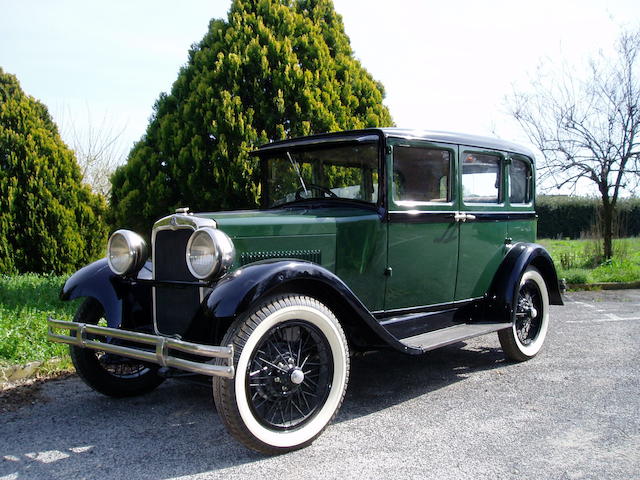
(525, 338)
(292, 367)
(107, 373)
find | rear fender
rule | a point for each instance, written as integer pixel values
(504, 288)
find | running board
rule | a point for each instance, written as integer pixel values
(440, 338)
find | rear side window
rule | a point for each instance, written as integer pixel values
(481, 179)
(421, 175)
(520, 181)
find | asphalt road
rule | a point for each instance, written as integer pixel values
(461, 412)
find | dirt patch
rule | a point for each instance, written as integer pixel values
(15, 395)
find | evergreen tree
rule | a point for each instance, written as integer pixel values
(49, 220)
(274, 69)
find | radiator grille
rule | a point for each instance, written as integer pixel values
(174, 307)
(309, 255)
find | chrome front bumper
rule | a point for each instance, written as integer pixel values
(161, 347)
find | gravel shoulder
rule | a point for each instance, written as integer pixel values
(461, 412)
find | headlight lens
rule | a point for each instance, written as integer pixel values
(126, 252)
(210, 253)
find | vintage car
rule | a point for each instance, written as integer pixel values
(365, 240)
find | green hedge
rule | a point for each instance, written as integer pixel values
(50, 222)
(573, 217)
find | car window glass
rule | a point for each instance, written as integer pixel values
(330, 172)
(421, 174)
(480, 178)
(519, 182)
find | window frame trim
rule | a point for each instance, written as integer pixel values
(531, 182)
(408, 205)
(502, 157)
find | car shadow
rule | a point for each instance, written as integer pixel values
(384, 379)
(175, 431)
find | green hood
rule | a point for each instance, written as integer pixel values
(307, 234)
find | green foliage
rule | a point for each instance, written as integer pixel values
(582, 261)
(575, 276)
(274, 69)
(25, 303)
(575, 217)
(49, 221)
(565, 217)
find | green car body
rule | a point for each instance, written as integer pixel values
(379, 238)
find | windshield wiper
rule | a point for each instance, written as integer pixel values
(294, 164)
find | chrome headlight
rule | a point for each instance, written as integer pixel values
(210, 253)
(126, 252)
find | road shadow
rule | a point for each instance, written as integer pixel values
(174, 431)
(384, 379)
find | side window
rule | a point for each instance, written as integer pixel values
(519, 181)
(481, 179)
(421, 174)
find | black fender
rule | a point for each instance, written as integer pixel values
(96, 280)
(247, 286)
(504, 288)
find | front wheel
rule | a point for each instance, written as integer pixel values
(525, 338)
(292, 367)
(107, 373)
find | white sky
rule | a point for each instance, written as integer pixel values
(445, 65)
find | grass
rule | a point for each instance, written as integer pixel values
(25, 303)
(580, 261)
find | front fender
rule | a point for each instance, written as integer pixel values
(248, 285)
(504, 288)
(96, 280)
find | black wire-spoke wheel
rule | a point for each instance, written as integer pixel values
(528, 313)
(531, 318)
(289, 375)
(292, 367)
(107, 373)
(121, 367)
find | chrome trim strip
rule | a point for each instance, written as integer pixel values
(435, 307)
(413, 316)
(181, 220)
(160, 355)
(442, 216)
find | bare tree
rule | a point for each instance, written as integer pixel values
(98, 149)
(588, 129)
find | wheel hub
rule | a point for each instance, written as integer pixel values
(527, 321)
(297, 376)
(284, 376)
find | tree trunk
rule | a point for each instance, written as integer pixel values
(607, 230)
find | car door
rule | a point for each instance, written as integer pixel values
(483, 225)
(423, 233)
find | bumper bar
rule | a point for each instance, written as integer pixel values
(161, 345)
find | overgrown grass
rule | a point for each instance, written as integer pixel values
(580, 261)
(25, 303)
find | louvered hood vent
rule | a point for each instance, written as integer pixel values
(309, 255)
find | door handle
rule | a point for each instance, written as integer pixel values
(463, 217)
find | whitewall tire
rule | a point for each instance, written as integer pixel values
(531, 318)
(292, 367)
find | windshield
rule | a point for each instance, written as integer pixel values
(335, 172)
